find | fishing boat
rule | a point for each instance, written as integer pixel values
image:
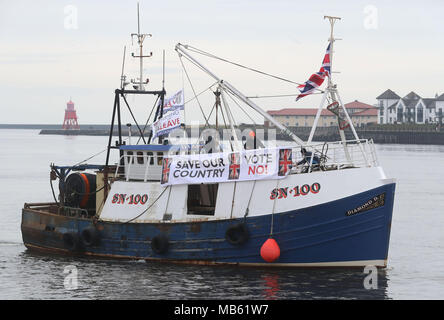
(308, 204)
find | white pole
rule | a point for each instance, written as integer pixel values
(318, 114)
(231, 120)
(352, 127)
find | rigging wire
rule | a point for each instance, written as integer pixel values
(132, 115)
(280, 95)
(232, 98)
(201, 93)
(199, 51)
(212, 109)
(93, 156)
(192, 87)
(147, 120)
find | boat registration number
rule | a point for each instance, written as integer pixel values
(282, 193)
(122, 198)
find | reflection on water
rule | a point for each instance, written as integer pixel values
(42, 276)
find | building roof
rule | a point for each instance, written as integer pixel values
(410, 103)
(388, 94)
(412, 96)
(358, 105)
(440, 98)
(429, 102)
(367, 110)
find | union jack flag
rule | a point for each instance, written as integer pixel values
(166, 164)
(316, 79)
(326, 63)
(234, 169)
(285, 162)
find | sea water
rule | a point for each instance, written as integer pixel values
(416, 254)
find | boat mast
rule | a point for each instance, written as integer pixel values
(140, 38)
(334, 94)
(181, 50)
(332, 88)
(138, 89)
(332, 41)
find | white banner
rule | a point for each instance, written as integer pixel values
(164, 125)
(225, 167)
(176, 102)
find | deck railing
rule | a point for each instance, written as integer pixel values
(324, 156)
(337, 155)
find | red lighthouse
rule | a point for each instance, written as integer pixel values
(70, 121)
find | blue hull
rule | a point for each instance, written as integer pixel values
(326, 234)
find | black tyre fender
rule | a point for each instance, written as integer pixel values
(71, 241)
(237, 234)
(160, 243)
(90, 236)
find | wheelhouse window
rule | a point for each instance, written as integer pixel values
(159, 158)
(130, 158)
(202, 199)
(150, 158)
(140, 158)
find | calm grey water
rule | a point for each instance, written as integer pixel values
(416, 255)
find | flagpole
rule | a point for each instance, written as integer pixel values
(329, 86)
(332, 40)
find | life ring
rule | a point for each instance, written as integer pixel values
(71, 241)
(90, 236)
(237, 234)
(160, 243)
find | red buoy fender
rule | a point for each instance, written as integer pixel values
(270, 250)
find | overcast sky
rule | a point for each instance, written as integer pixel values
(53, 50)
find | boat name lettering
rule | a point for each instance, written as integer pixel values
(373, 203)
(122, 198)
(282, 193)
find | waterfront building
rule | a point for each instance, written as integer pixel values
(410, 109)
(360, 113)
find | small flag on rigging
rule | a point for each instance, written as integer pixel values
(175, 102)
(171, 116)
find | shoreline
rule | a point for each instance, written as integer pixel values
(382, 136)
